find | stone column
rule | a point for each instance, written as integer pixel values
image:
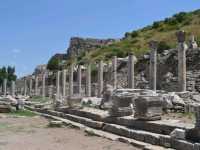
(58, 85)
(153, 64)
(131, 76)
(100, 78)
(13, 88)
(4, 87)
(36, 86)
(114, 74)
(193, 43)
(182, 47)
(44, 85)
(30, 86)
(197, 117)
(71, 80)
(79, 80)
(64, 73)
(25, 87)
(88, 80)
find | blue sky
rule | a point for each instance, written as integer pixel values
(31, 31)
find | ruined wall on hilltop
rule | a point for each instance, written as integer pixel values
(79, 45)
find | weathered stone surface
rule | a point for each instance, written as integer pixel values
(107, 93)
(5, 108)
(148, 108)
(178, 134)
(55, 124)
(182, 145)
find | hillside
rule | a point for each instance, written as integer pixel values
(137, 41)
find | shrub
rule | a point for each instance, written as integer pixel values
(156, 25)
(134, 34)
(163, 46)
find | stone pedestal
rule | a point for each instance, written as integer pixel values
(182, 47)
(100, 79)
(148, 108)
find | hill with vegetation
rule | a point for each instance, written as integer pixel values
(162, 31)
(137, 41)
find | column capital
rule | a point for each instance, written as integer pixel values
(153, 44)
(181, 35)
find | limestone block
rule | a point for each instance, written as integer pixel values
(148, 108)
(178, 134)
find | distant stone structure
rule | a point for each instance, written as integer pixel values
(79, 45)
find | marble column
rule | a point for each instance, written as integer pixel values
(36, 86)
(79, 78)
(88, 80)
(64, 74)
(44, 85)
(25, 87)
(13, 88)
(71, 80)
(58, 85)
(131, 76)
(30, 86)
(4, 87)
(114, 74)
(192, 43)
(182, 47)
(153, 64)
(100, 78)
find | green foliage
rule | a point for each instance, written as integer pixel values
(7, 73)
(54, 64)
(163, 46)
(134, 34)
(25, 113)
(156, 25)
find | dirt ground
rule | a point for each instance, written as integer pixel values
(32, 133)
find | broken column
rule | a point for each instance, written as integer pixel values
(64, 73)
(13, 88)
(131, 59)
(71, 80)
(100, 78)
(88, 80)
(44, 85)
(193, 43)
(36, 86)
(4, 87)
(182, 47)
(114, 65)
(153, 64)
(58, 85)
(79, 80)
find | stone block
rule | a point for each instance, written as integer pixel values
(178, 134)
(165, 141)
(182, 145)
(148, 108)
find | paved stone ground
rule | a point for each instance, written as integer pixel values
(32, 133)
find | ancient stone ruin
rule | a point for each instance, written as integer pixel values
(126, 96)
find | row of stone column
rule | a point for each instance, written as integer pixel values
(182, 47)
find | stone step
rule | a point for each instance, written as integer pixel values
(160, 126)
(104, 134)
(125, 132)
(138, 135)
